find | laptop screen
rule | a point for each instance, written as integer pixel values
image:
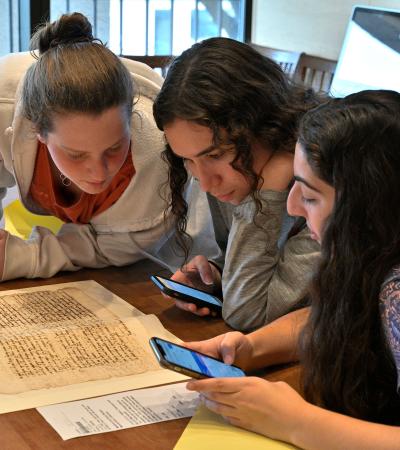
(370, 55)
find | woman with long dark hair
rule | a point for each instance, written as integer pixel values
(346, 166)
(230, 119)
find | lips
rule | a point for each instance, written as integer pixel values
(313, 235)
(224, 197)
(96, 183)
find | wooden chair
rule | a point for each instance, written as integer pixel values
(161, 62)
(286, 59)
(315, 72)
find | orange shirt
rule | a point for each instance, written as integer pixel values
(44, 193)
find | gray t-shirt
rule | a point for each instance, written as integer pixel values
(265, 269)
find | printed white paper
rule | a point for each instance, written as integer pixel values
(118, 411)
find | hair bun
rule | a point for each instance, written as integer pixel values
(68, 29)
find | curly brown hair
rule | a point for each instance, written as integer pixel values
(225, 84)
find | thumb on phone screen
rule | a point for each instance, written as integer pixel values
(202, 266)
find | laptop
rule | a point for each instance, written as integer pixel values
(370, 55)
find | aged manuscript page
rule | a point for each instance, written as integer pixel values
(62, 335)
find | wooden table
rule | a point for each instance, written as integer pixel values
(27, 430)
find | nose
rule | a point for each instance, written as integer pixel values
(208, 178)
(98, 169)
(294, 204)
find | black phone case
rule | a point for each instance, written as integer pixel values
(171, 366)
(187, 298)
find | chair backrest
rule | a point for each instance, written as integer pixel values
(288, 60)
(161, 62)
(315, 72)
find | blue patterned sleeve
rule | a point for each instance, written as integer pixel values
(390, 314)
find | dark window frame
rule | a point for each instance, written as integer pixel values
(38, 12)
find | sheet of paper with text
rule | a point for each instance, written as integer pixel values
(71, 341)
(119, 411)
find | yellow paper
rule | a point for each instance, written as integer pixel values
(210, 431)
(19, 221)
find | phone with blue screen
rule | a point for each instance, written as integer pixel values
(187, 293)
(193, 364)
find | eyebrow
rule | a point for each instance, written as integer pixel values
(201, 152)
(302, 180)
(82, 151)
(206, 150)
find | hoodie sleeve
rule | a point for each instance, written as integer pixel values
(265, 273)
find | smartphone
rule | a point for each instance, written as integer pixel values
(187, 293)
(193, 364)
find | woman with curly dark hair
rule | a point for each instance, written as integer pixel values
(230, 119)
(346, 166)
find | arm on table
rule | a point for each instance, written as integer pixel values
(275, 343)
(45, 254)
(261, 281)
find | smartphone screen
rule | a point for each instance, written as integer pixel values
(187, 290)
(197, 362)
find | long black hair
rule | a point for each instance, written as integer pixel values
(225, 84)
(353, 144)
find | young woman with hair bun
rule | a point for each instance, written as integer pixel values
(81, 145)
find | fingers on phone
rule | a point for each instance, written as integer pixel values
(205, 271)
(191, 307)
(200, 266)
(206, 274)
(181, 277)
(203, 312)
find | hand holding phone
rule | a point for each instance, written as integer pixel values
(193, 364)
(188, 294)
(200, 274)
(200, 270)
